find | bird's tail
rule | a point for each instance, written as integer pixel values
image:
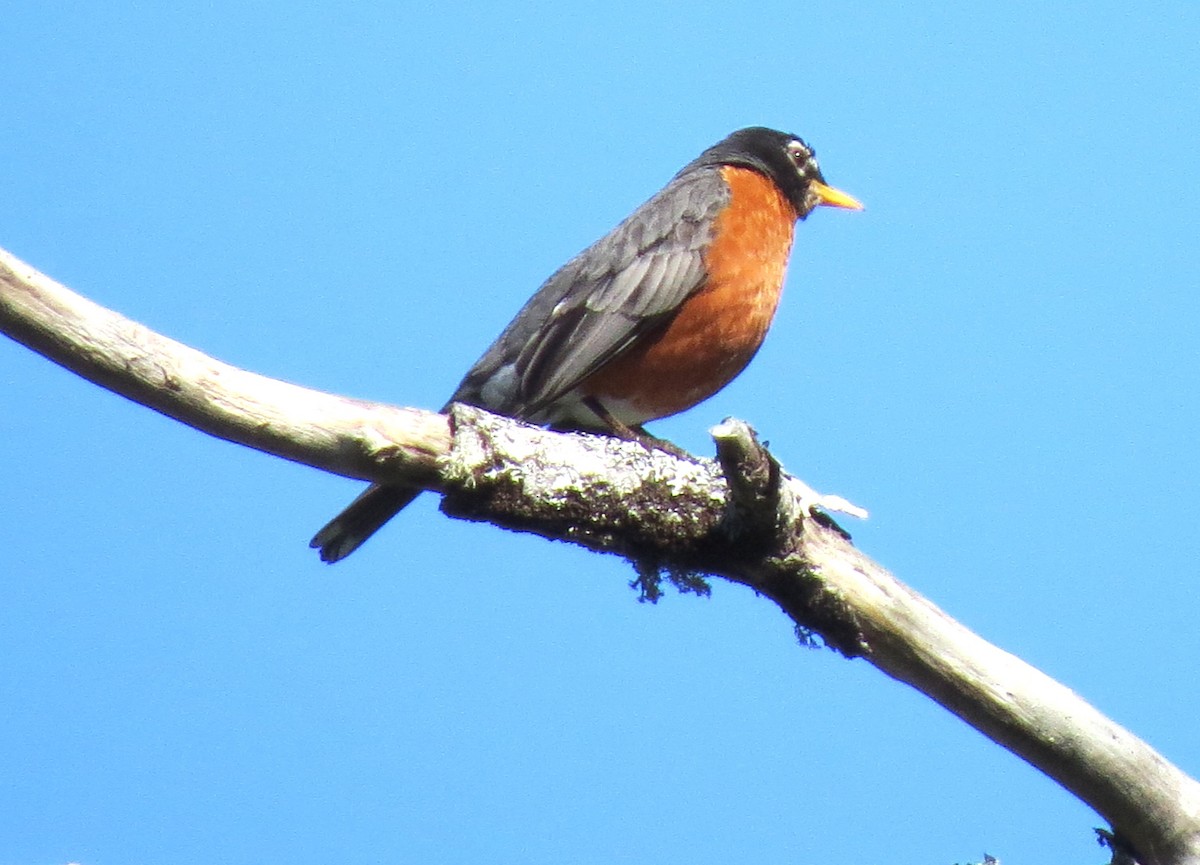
(364, 516)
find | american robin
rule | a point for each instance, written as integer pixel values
(656, 316)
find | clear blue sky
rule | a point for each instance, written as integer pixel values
(998, 358)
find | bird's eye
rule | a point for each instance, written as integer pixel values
(798, 152)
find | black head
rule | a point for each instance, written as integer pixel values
(784, 158)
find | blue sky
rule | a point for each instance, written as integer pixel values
(998, 359)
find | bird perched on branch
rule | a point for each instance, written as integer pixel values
(656, 316)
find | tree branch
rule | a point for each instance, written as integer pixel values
(345, 436)
(742, 519)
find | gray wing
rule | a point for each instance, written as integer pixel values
(597, 305)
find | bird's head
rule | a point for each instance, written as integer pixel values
(786, 160)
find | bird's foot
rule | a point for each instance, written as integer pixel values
(654, 443)
(635, 433)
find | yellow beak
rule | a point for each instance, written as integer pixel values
(829, 197)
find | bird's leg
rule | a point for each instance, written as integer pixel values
(636, 433)
(615, 426)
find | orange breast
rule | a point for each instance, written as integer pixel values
(717, 330)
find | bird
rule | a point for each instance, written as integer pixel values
(651, 319)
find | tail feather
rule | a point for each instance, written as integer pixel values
(364, 516)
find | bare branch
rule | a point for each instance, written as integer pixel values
(345, 436)
(670, 516)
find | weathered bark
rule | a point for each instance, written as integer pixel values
(740, 518)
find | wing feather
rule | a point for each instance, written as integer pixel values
(598, 304)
